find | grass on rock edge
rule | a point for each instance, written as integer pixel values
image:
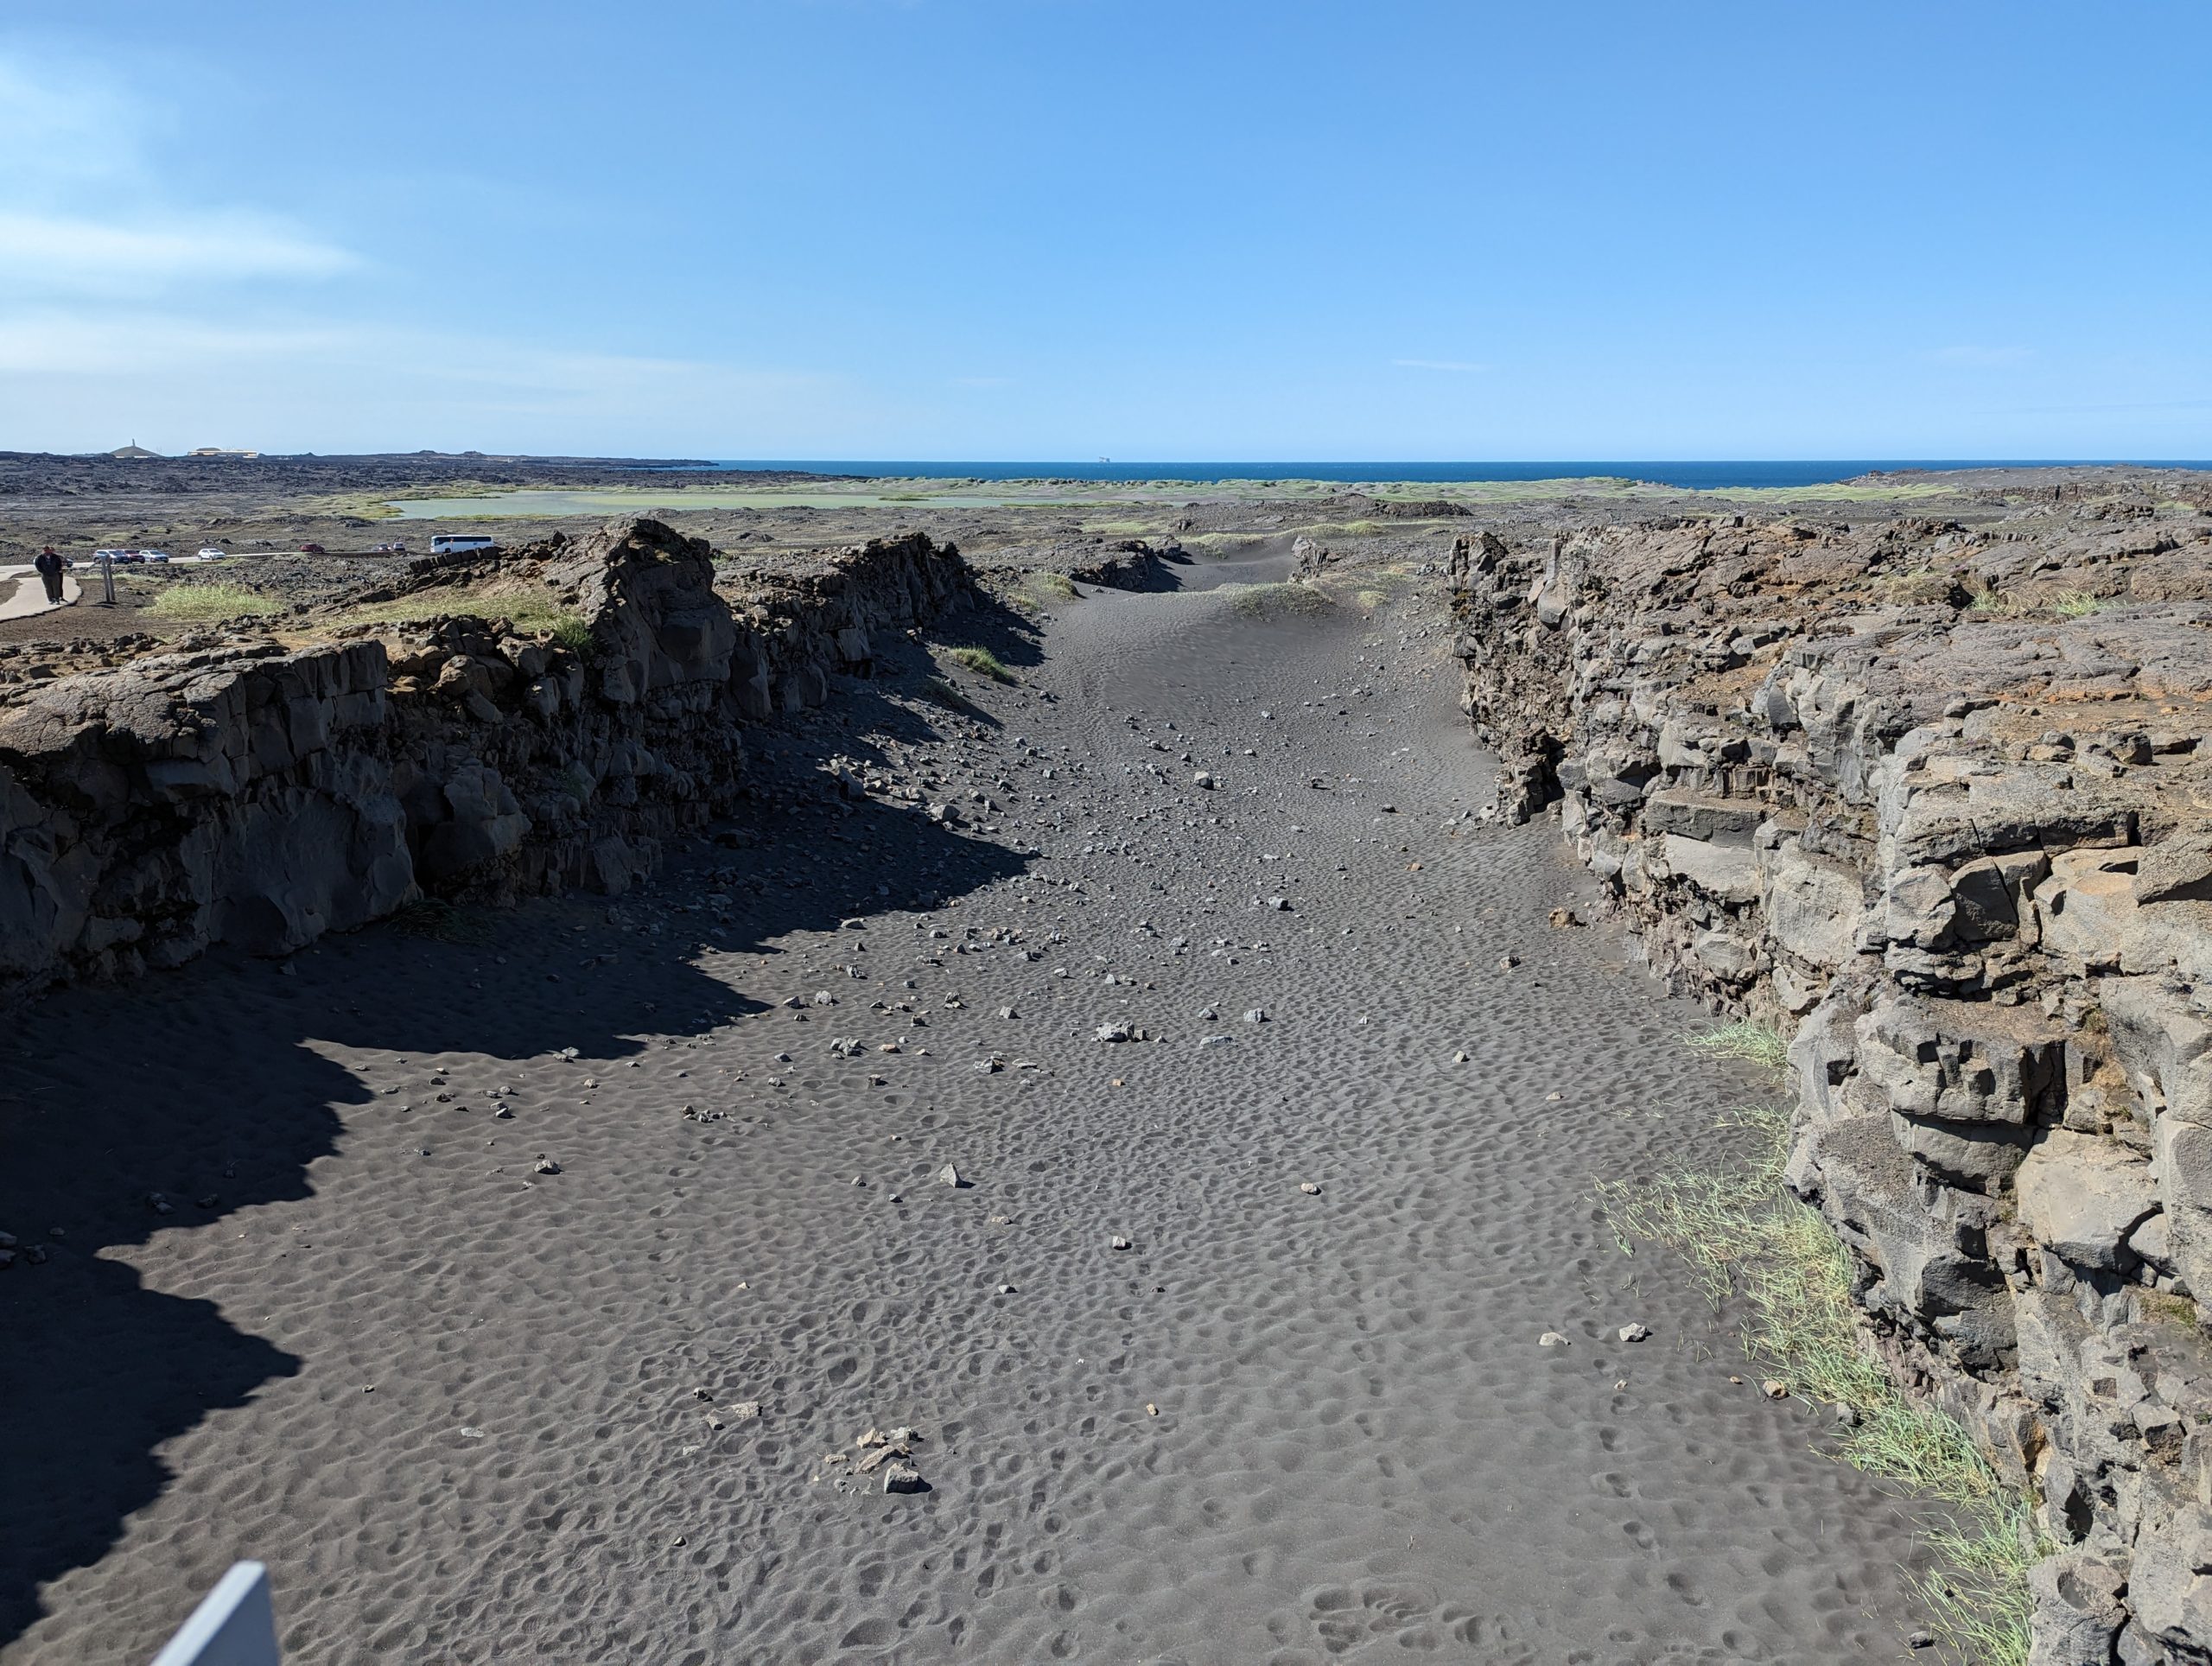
(983, 662)
(1053, 586)
(1747, 1237)
(530, 610)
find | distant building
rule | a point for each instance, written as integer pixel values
(217, 451)
(134, 450)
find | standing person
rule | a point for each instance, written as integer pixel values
(50, 569)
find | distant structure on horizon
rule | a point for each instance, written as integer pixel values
(134, 451)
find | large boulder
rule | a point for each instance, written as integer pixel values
(2082, 1196)
(1961, 1061)
(1812, 906)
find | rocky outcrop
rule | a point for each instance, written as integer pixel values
(255, 793)
(1935, 800)
(1114, 563)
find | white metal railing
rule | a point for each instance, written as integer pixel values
(233, 1626)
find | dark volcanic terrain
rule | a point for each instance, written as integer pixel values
(1275, 1104)
(751, 1084)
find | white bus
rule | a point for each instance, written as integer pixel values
(453, 544)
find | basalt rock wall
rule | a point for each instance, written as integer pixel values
(1936, 802)
(253, 791)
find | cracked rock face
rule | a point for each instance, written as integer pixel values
(1936, 800)
(242, 791)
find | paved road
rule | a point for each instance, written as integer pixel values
(22, 594)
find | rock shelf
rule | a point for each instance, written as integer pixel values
(1936, 801)
(261, 788)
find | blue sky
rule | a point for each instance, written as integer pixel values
(1047, 229)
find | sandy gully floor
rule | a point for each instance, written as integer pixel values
(1225, 1350)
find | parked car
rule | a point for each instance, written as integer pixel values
(313, 549)
(387, 548)
(211, 554)
(115, 555)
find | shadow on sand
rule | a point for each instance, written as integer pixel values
(196, 1096)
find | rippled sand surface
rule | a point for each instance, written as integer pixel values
(469, 1411)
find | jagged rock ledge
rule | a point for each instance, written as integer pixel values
(1935, 800)
(260, 792)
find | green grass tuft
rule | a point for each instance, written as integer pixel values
(1053, 586)
(1753, 1043)
(2076, 604)
(1747, 1238)
(1275, 600)
(530, 608)
(983, 662)
(2067, 604)
(203, 604)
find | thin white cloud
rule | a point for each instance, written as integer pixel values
(50, 342)
(48, 251)
(57, 343)
(1462, 365)
(173, 379)
(83, 213)
(130, 307)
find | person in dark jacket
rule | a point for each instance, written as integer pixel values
(50, 569)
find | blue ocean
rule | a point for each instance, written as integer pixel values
(1688, 475)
